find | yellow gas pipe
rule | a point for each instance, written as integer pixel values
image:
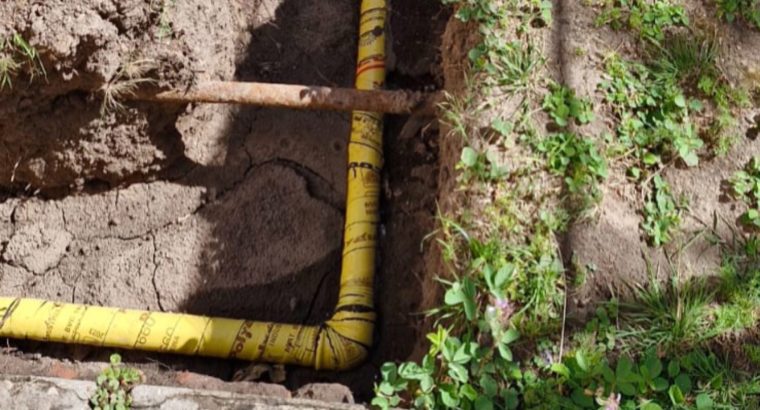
(341, 342)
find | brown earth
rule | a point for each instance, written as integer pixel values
(214, 210)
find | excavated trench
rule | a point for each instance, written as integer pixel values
(207, 209)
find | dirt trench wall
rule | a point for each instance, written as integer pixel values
(53, 132)
(217, 210)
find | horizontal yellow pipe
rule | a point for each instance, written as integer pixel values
(341, 342)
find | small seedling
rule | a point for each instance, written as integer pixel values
(662, 213)
(126, 81)
(579, 161)
(483, 166)
(114, 386)
(162, 8)
(564, 106)
(746, 186)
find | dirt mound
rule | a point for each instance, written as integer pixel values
(54, 131)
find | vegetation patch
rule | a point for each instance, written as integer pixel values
(17, 56)
(746, 187)
(731, 10)
(501, 341)
(674, 107)
(114, 386)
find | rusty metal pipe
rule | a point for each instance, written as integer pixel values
(298, 97)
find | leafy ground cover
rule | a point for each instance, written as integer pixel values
(501, 339)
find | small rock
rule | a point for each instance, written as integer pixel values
(327, 392)
(199, 381)
(62, 371)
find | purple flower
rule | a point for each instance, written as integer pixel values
(612, 402)
(505, 308)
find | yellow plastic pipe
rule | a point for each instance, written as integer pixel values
(340, 343)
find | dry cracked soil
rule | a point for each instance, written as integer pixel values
(207, 209)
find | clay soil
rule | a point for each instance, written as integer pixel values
(214, 210)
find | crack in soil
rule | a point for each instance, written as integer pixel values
(155, 271)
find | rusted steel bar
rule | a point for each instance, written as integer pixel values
(298, 97)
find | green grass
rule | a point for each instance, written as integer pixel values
(17, 56)
(732, 10)
(671, 318)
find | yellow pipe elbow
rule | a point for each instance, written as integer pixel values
(340, 343)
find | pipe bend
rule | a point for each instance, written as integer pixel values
(340, 343)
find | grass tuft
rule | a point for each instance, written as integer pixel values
(127, 80)
(17, 55)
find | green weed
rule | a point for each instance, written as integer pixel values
(162, 8)
(576, 159)
(114, 385)
(481, 166)
(746, 187)
(17, 54)
(653, 112)
(563, 106)
(662, 213)
(731, 10)
(650, 19)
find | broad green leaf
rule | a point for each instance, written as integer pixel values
(503, 275)
(489, 385)
(560, 369)
(680, 101)
(510, 336)
(660, 384)
(458, 372)
(627, 388)
(483, 403)
(676, 394)
(623, 369)
(580, 398)
(683, 381)
(650, 159)
(704, 402)
(381, 402)
(505, 352)
(469, 157)
(653, 365)
(468, 392)
(511, 399)
(674, 368)
(502, 127)
(581, 360)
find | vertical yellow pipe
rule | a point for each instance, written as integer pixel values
(341, 342)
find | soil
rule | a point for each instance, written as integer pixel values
(214, 210)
